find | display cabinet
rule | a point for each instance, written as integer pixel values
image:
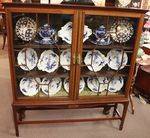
(70, 57)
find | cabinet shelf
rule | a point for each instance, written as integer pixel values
(103, 73)
(42, 74)
(36, 46)
(113, 46)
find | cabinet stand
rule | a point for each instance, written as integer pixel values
(19, 115)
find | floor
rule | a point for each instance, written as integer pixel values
(136, 126)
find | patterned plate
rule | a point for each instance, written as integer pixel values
(65, 59)
(97, 84)
(66, 33)
(30, 86)
(114, 59)
(27, 59)
(95, 60)
(66, 85)
(51, 86)
(116, 84)
(49, 61)
(121, 31)
(25, 28)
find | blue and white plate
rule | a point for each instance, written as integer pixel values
(116, 84)
(66, 33)
(48, 35)
(101, 37)
(65, 59)
(30, 86)
(121, 31)
(50, 86)
(49, 61)
(27, 59)
(81, 87)
(115, 61)
(95, 60)
(25, 28)
(98, 84)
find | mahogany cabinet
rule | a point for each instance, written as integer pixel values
(79, 15)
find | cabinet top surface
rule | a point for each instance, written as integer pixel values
(71, 6)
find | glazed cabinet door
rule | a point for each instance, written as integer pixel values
(42, 48)
(105, 53)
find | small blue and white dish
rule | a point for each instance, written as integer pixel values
(48, 35)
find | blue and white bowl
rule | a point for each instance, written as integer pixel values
(47, 34)
(101, 36)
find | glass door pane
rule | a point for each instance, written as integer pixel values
(42, 46)
(108, 44)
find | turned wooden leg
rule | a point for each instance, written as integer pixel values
(15, 120)
(4, 40)
(106, 110)
(132, 106)
(115, 108)
(125, 108)
(21, 114)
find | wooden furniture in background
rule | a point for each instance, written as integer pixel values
(79, 15)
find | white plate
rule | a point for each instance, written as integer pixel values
(25, 28)
(65, 59)
(30, 86)
(95, 60)
(121, 31)
(124, 3)
(97, 84)
(116, 84)
(27, 59)
(66, 33)
(50, 86)
(114, 58)
(66, 85)
(49, 61)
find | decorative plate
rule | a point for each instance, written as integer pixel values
(48, 35)
(66, 84)
(66, 33)
(25, 28)
(65, 59)
(101, 37)
(114, 59)
(30, 86)
(147, 24)
(49, 61)
(121, 31)
(51, 86)
(97, 84)
(95, 60)
(124, 3)
(116, 84)
(27, 59)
